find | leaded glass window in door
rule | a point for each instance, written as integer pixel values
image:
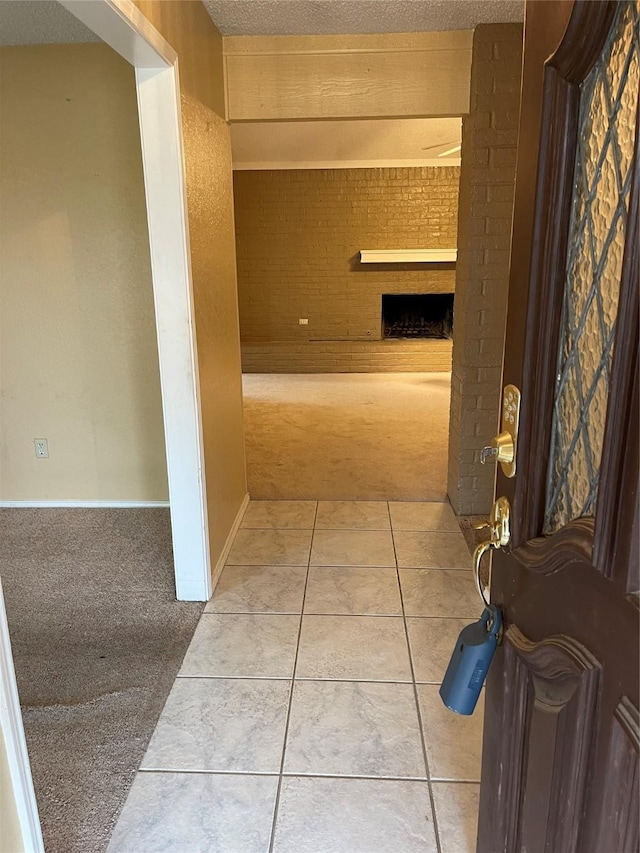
(597, 235)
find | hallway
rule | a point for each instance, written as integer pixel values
(306, 714)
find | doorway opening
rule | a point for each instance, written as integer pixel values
(346, 280)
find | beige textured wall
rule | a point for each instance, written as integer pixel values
(10, 833)
(78, 353)
(489, 148)
(298, 235)
(190, 31)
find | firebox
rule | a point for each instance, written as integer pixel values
(423, 315)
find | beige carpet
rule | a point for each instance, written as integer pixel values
(97, 639)
(355, 436)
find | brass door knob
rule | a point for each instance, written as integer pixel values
(500, 535)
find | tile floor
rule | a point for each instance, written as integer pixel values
(306, 715)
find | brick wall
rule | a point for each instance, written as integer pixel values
(489, 146)
(390, 356)
(298, 236)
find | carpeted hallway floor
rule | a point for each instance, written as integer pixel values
(98, 639)
(353, 436)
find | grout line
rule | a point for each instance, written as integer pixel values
(288, 718)
(300, 678)
(359, 615)
(422, 780)
(434, 569)
(186, 771)
(351, 680)
(273, 528)
(415, 696)
(323, 613)
(447, 780)
(324, 566)
(239, 677)
(344, 528)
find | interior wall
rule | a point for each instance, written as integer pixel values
(190, 31)
(299, 234)
(487, 179)
(78, 352)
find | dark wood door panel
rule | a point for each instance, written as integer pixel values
(594, 611)
(619, 828)
(548, 712)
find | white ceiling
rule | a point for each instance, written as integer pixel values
(40, 22)
(344, 144)
(320, 17)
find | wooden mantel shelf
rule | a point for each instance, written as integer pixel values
(407, 256)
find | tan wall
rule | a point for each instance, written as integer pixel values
(78, 353)
(10, 832)
(489, 147)
(299, 233)
(189, 30)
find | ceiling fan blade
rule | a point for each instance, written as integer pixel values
(440, 145)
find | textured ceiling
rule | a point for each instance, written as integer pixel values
(46, 22)
(40, 22)
(320, 17)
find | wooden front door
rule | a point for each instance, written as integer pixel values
(560, 762)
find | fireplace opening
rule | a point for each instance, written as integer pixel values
(424, 315)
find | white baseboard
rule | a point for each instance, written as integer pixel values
(83, 504)
(222, 559)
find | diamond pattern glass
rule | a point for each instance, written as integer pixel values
(602, 180)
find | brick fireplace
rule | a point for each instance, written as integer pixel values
(416, 316)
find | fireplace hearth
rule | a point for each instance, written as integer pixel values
(424, 315)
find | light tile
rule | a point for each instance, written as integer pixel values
(349, 728)
(423, 516)
(354, 816)
(194, 812)
(354, 591)
(280, 515)
(259, 589)
(218, 724)
(244, 645)
(352, 548)
(353, 515)
(358, 648)
(439, 592)
(457, 814)
(432, 642)
(270, 548)
(432, 550)
(454, 742)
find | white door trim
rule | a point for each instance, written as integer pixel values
(16, 746)
(121, 25)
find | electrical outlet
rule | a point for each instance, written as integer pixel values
(42, 448)
(303, 322)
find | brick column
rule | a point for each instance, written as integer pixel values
(489, 146)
